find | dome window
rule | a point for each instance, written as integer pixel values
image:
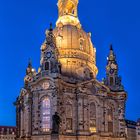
(81, 44)
(59, 41)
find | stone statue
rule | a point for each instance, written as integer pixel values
(56, 123)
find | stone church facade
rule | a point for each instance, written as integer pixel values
(64, 100)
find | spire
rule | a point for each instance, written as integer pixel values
(30, 63)
(49, 53)
(29, 67)
(112, 56)
(68, 13)
(112, 79)
(111, 48)
(30, 72)
(50, 38)
(51, 28)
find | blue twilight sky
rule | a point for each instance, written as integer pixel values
(22, 27)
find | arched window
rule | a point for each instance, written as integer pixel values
(59, 41)
(69, 115)
(45, 114)
(47, 65)
(110, 119)
(93, 117)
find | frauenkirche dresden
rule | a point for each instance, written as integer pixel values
(63, 100)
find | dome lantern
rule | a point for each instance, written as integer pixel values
(68, 14)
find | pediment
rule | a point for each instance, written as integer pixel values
(93, 86)
(46, 83)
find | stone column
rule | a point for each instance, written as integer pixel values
(80, 114)
(86, 112)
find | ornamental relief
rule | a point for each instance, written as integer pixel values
(23, 92)
(121, 111)
(82, 89)
(68, 100)
(43, 85)
(50, 95)
(67, 89)
(91, 90)
(75, 54)
(110, 104)
(94, 98)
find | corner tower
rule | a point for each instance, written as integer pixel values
(77, 54)
(113, 80)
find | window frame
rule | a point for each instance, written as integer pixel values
(45, 117)
(69, 117)
(93, 120)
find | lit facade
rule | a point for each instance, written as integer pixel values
(7, 133)
(64, 100)
(131, 130)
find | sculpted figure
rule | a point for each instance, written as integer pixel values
(56, 123)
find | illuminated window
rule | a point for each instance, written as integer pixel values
(93, 117)
(110, 119)
(69, 117)
(45, 115)
(59, 41)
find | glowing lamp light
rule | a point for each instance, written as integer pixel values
(33, 70)
(93, 129)
(46, 130)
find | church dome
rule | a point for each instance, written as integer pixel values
(76, 51)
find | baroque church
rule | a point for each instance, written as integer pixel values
(63, 100)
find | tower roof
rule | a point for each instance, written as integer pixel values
(30, 63)
(112, 56)
(51, 28)
(111, 47)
